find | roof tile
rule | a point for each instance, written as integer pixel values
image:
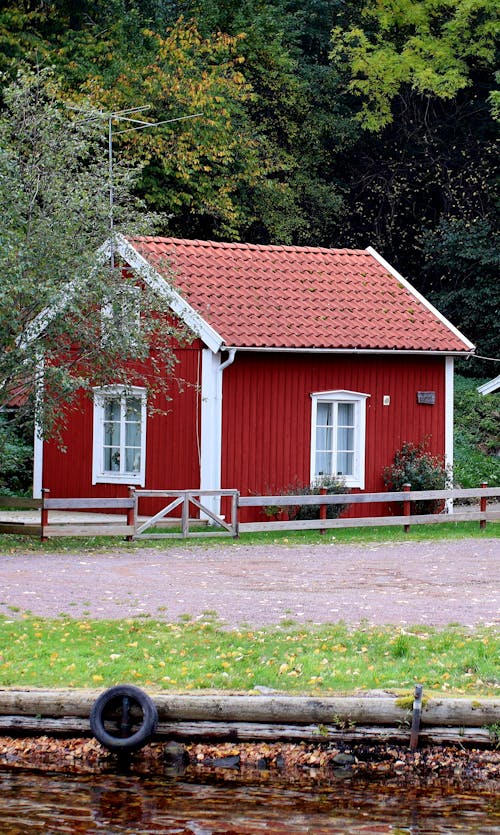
(298, 297)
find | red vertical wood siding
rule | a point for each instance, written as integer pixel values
(172, 460)
(266, 423)
(267, 413)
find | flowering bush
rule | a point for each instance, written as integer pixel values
(413, 464)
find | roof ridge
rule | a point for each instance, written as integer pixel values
(242, 245)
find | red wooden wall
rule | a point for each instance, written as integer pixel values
(267, 413)
(266, 422)
(171, 442)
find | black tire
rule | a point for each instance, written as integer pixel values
(123, 718)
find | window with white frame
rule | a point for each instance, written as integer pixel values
(119, 436)
(338, 430)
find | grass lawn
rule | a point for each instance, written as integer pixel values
(193, 655)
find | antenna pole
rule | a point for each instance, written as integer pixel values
(111, 191)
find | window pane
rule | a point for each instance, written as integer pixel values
(111, 459)
(323, 463)
(132, 460)
(324, 414)
(345, 414)
(324, 438)
(133, 409)
(112, 434)
(112, 408)
(345, 439)
(133, 434)
(345, 463)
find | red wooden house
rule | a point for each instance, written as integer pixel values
(305, 362)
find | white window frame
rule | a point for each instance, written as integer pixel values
(99, 475)
(358, 399)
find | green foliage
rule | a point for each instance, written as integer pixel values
(54, 190)
(16, 457)
(280, 154)
(477, 435)
(431, 47)
(330, 485)
(413, 464)
(462, 265)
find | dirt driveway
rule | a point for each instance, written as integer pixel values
(399, 583)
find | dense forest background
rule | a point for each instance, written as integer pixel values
(324, 123)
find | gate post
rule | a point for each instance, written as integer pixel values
(132, 513)
(44, 514)
(235, 509)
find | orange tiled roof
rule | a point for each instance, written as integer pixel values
(298, 297)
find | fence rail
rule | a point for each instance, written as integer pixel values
(46, 529)
(133, 528)
(406, 497)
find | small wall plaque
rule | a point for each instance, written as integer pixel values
(428, 398)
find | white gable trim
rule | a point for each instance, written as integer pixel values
(490, 386)
(180, 306)
(468, 344)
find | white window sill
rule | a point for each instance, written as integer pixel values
(125, 478)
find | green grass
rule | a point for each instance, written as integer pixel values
(193, 655)
(10, 544)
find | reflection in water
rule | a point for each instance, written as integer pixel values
(32, 804)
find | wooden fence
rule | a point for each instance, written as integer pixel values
(132, 527)
(406, 497)
(45, 528)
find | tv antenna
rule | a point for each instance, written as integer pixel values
(127, 116)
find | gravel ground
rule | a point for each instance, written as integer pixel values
(433, 583)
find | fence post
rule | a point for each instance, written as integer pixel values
(322, 508)
(185, 514)
(132, 513)
(44, 514)
(482, 505)
(235, 508)
(406, 506)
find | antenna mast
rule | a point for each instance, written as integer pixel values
(136, 124)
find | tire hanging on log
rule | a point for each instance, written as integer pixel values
(123, 718)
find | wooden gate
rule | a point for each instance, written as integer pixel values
(185, 499)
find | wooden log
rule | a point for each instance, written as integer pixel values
(248, 731)
(280, 709)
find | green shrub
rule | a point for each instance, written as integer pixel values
(16, 457)
(330, 484)
(477, 435)
(413, 464)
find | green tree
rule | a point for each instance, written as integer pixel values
(54, 190)
(432, 47)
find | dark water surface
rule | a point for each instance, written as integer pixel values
(32, 804)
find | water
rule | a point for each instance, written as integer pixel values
(32, 804)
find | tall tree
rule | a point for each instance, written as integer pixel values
(54, 190)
